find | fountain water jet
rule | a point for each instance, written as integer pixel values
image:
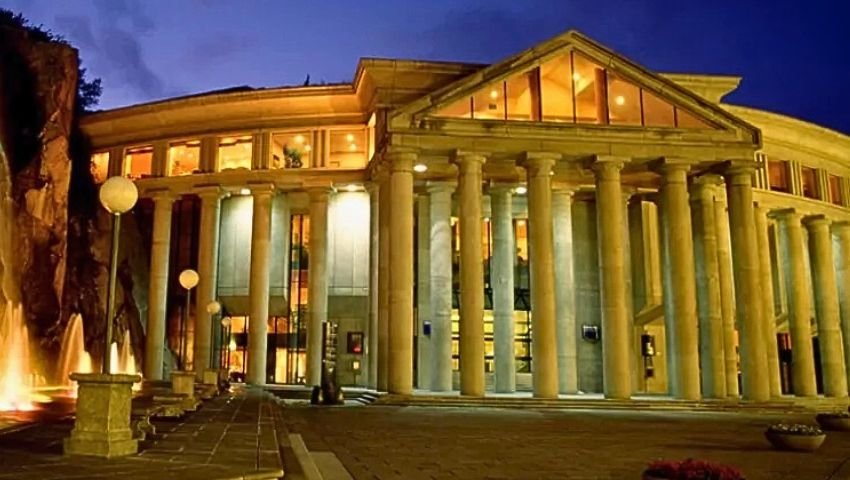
(15, 371)
(73, 356)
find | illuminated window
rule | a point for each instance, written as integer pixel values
(292, 150)
(810, 187)
(556, 87)
(461, 109)
(523, 97)
(588, 89)
(100, 166)
(184, 158)
(138, 162)
(657, 112)
(234, 152)
(489, 103)
(348, 148)
(623, 102)
(777, 172)
(835, 190)
(685, 119)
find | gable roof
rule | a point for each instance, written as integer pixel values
(522, 62)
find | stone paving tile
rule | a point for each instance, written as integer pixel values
(381, 443)
(220, 441)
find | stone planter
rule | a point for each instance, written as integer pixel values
(833, 422)
(794, 442)
(102, 423)
(183, 383)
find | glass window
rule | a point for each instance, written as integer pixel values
(184, 158)
(100, 166)
(138, 162)
(489, 103)
(234, 152)
(292, 150)
(810, 188)
(556, 89)
(623, 102)
(348, 148)
(586, 76)
(656, 112)
(777, 172)
(835, 189)
(461, 109)
(523, 96)
(685, 119)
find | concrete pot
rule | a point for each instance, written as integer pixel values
(833, 422)
(796, 443)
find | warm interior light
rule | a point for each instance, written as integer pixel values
(420, 167)
(299, 139)
(245, 191)
(520, 190)
(352, 147)
(620, 100)
(308, 148)
(494, 94)
(352, 187)
(486, 220)
(520, 222)
(349, 137)
(576, 77)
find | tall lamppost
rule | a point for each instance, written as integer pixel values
(188, 280)
(117, 195)
(225, 325)
(212, 308)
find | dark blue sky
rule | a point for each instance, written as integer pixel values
(794, 55)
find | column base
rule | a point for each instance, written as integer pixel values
(102, 424)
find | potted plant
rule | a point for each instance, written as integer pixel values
(690, 469)
(292, 157)
(839, 421)
(794, 436)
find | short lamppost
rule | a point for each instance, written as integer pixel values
(225, 347)
(183, 381)
(102, 423)
(210, 375)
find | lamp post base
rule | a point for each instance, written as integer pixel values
(102, 424)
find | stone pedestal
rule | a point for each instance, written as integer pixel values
(102, 425)
(210, 377)
(183, 383)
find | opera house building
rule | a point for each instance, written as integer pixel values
(564, 221)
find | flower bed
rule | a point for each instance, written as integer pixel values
(839, 421)
(690, 469)
(795, 437)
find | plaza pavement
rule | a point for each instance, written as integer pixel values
(418, 443)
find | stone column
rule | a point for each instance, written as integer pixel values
(400, 368)
(502, 281)
(317, 281)
(207, 275)
(441, 286)
(158, 285)
(544, 345)
(616, 327)
(708, 283)
(373, 286)
(680, 309)
(739, 193)
(471, 275)
(826, 307)
(769, 317)
(565, 294)
(841, 242)
(258, 287)
(384, 209)
(727, 292)
(799, 304)
(424, 356)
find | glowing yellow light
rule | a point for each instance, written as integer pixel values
(576, 77)
(520, 190)
(349, 137)
(299, 139)
(308, 148)
(494, 94)
(352, 147)
(620, 100)
(486, 220)
(244, 191)
(420, 168)
(520, 222)
(352, 188)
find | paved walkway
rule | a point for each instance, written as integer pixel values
(234, 436)
(413, 443)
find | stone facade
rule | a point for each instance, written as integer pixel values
(475, 241)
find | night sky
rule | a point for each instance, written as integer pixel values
(794, 55)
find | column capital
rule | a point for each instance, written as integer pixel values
(162, 196)
(563, 189)
(500, 187)
(813, 222)
(372, 187)
(737, 168)
(538, 163)
(786, 214)
(704, 187)
(318, 193)
(669, 165)
(440, 187)
(841, 227)
(400, 159)
(606, 165)
(262, 189)
(210, 192)
(462, 157)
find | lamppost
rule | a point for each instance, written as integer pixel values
(117, 195)
(225, 325)
(188, 279)
(213, 308)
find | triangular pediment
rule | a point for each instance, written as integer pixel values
(572, 79)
